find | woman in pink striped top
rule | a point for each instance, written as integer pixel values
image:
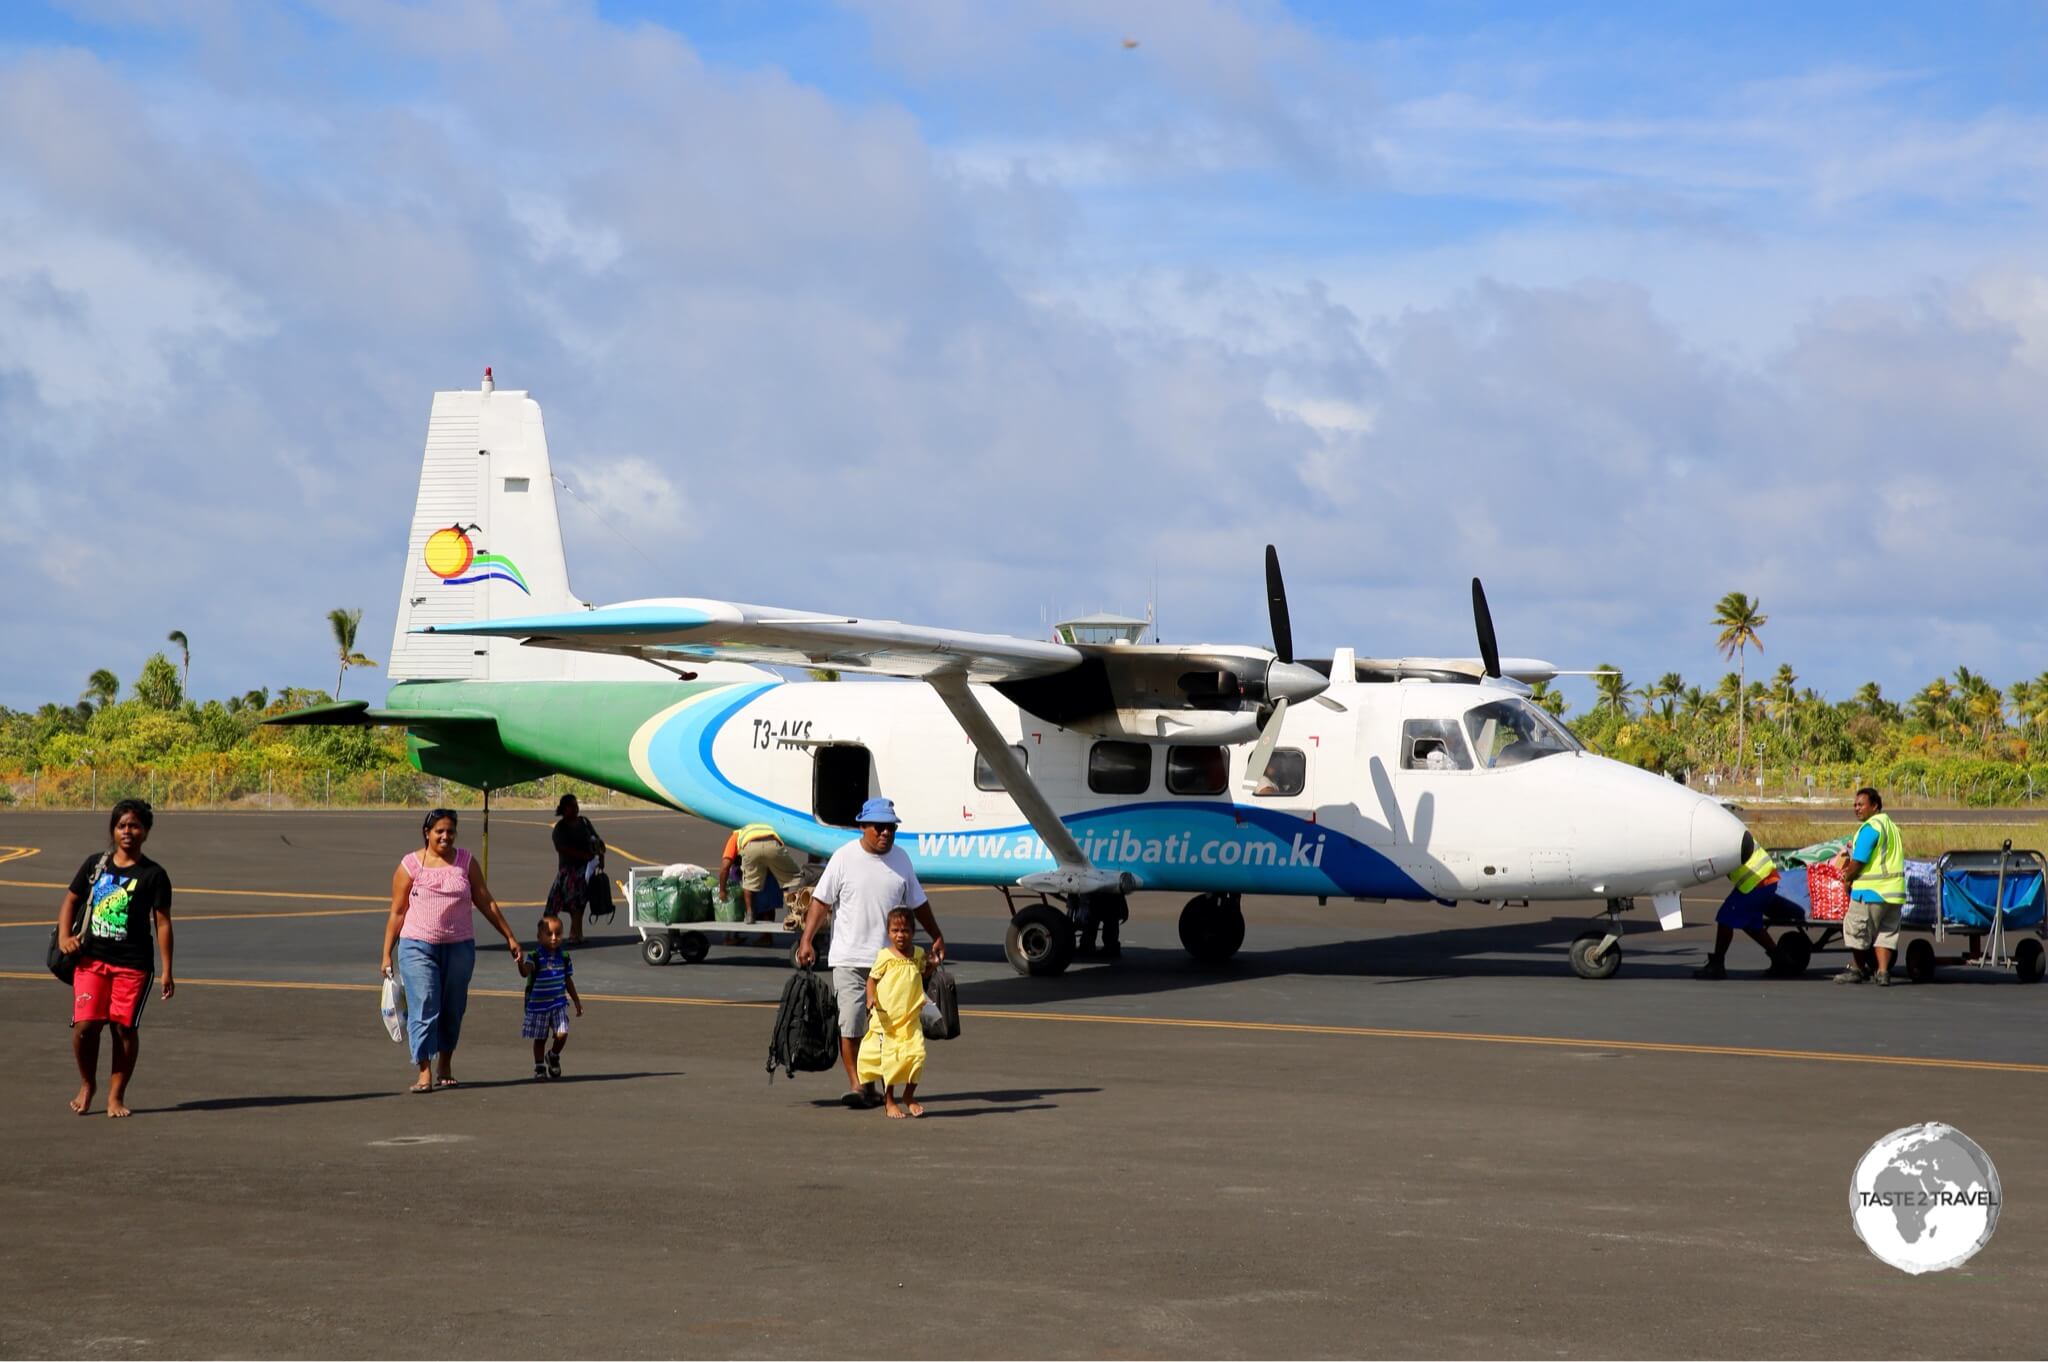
(433, 936)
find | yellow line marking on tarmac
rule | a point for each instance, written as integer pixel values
(609, 845)
(17, 853)
(1202, 1024)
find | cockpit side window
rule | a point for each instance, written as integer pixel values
(1286, 774)
(1433, 745)
(1511, 732)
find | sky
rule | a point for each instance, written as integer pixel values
(970, 314)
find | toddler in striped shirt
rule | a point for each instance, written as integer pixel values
(550, 992)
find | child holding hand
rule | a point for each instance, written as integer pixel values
(892, 1051)
(550, 991)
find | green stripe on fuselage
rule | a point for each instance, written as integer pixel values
(577, 728)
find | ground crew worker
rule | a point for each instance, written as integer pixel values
(1756, 884)
(1874, 868)
(760, 855)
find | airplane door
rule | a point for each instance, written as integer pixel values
(842, 779)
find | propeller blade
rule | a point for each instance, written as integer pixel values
(1262, 751)
(1276, 606)
(1489, 650)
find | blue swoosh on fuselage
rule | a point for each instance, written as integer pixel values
(1186, 844)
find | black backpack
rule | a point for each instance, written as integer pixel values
(945, 996)
(806, 1035)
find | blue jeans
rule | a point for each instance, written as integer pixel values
(436, 978)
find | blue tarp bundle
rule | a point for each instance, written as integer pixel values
(1923, 894)
(1969, 897)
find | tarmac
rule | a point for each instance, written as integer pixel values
(1384, 1130)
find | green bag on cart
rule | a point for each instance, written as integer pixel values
(656, 899)
(694, 898)
(732, 909)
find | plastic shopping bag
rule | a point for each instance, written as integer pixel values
(394, 1007)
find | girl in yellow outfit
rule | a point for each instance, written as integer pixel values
(892, 1052)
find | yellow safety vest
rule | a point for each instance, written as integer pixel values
(753, 832)
(1754, 871)
(1885, 873)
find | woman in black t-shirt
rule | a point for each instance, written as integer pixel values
(113, 902)
(576, 846)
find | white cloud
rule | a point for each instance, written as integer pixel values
(813, 351)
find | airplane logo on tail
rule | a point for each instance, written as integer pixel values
(454, 557)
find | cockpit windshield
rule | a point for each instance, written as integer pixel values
(1510, 732)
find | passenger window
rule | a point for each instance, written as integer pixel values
(1433, 745)
(1286, 774)
(985, 775)
(1196, 770)
(1119, 768)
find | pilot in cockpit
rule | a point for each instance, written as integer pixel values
(1430, 755)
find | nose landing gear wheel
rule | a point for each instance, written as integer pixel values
(1040, 941)
(1791, 953)
(1212, 927)
(1586, 964)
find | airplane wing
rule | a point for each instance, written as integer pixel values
(685, 628)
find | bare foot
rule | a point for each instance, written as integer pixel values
(81, 1102)
(896, 1113)
(116, 1107)
(914, 1108)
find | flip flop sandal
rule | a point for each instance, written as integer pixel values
(447, 1082)
(421, 1087)
(857, 1100)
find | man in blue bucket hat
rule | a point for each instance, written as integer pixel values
(862, 882)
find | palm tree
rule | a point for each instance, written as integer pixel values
(1613, 688)
(177, 636)
(1548, 698)
(102, 688)
(1784, 690)
(1667, 689)
(1931, 705)
(344, 624)
(1982, 705)
(256, 699)
(1739, 619)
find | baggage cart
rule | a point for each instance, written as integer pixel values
(663, 939)
(1992, 902)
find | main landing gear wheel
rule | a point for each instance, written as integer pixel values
(1040, 941)
(1585, 963)
(1212, 927)
(693, 946)
(821, 947)
(657, 949)
(1920, 960)
(2029, 962)
(1791, 953)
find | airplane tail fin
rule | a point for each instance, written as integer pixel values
(486, 540)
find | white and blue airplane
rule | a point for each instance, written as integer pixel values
(1073, 772)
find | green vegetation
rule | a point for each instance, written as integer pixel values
(1957, 740)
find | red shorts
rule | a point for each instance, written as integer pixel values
(104, 992)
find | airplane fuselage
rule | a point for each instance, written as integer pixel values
(1352, 814)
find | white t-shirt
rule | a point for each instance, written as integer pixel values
(862, 887)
